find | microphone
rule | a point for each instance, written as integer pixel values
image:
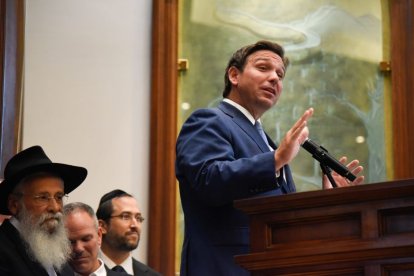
(322, 155)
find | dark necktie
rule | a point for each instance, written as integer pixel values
(118, 268)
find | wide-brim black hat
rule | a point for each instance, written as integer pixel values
(33, 160)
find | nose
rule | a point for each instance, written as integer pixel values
(134, 223)
(274, 77)
(53, 205)
(77, 248)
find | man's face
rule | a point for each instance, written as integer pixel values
(39, 198)
(120, 234)
(85, 239)
(259, 86)
(40, 217)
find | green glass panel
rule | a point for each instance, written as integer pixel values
(334, 48)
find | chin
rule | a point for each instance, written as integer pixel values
(131, 245)
(81, 268)
(51, 226)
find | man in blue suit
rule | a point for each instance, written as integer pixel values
(222, 157)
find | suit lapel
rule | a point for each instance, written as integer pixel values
(244, 123)
(251, 131)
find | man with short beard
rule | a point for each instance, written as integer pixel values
(34, 241)
(121, 221)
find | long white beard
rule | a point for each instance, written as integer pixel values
(48, 242)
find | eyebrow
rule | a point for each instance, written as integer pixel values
(268, 59)
(131, 213)
(260, 59)
(87, 236)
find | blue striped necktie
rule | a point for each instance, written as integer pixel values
(281, 179)
(259, 128)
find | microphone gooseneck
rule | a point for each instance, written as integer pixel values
(322, 155)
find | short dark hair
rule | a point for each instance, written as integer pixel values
(239, 58)
(105, 207)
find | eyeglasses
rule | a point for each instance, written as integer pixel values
(44, 199)
(128, 217)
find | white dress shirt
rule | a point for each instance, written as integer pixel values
(127, 264)
(101, 271)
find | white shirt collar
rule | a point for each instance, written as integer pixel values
(126, 264)
(101, 271)
(242, 110)
(15, 223)
(248, 116)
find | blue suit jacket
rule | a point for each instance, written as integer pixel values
(221, 157)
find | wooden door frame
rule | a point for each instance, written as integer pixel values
(402, 60)
(163, 132)
(11, 70)
(162, 233)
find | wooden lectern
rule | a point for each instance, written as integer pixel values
(358, 230)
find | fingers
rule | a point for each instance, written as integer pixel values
(301, 123)
(357, 170)
(299, 131)
(353, 166)
(326, 184)
(343, 159)
(358, 180)
(307, 114)
(290, 144)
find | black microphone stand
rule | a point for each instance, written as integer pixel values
(328, 172)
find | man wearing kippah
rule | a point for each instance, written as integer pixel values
(34, 241)
(121, 221)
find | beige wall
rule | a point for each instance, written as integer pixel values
(87, 92)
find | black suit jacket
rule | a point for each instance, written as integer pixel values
(142, 269)
(68, 271)
(14, 259)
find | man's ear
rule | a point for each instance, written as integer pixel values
(100, 236)
(13, 204)
(103, 226)
(234, 75)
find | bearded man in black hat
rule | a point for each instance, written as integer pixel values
(34, 240)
